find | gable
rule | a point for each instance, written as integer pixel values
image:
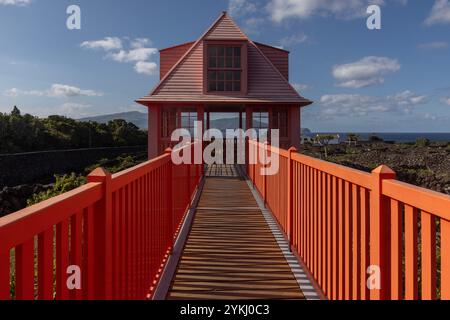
(225, 29)
(184, 82)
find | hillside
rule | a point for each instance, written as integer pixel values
(135, 117)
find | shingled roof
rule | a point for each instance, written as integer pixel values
(184, 82)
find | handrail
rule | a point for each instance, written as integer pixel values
(113, 235)
(16, 227)
(433, 202)
(349, 227)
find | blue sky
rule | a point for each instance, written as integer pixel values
(390, 80)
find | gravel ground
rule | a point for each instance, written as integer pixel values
(426, 166)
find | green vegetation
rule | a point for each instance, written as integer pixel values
(26, 133)
(324, 140)
(422, 142)
(353, 138)
(119, 164)
(72, 181)
(63, 184)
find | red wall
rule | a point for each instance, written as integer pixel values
(278, 57)
(169, 57)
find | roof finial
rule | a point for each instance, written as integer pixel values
(224, 12)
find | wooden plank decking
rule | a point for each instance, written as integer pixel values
(231, 252)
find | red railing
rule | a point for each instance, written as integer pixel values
(118, 229)
(348, 227)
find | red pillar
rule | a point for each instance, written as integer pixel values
(380, 232)
(153, 131)
(248, 125)
(294, 126)
(201, 117)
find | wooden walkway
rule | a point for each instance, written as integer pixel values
(231, 253)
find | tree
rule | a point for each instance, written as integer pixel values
(352, 138)
(27, 133)
(324, 140)
(15, 112)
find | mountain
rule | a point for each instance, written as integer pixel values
(306, 132)
(140, 120)
(135, 117)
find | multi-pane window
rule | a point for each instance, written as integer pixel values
(224, 68)
(261, 124)
(169, 123)
(188, 121)
(260, 120)
(280, 121)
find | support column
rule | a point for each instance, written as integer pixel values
(199, 155)
(248, 125)
(248, 117)
(153, 131)
(295, 126)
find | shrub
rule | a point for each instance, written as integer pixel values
(422, 142)
(374, 138)
(63, 184)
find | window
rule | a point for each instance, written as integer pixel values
(169, 123)
(224, 68)
(261, 124)
(260, 120)
(280, 121)
(188, 121)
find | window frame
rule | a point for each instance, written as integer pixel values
(277, 121)
(243, 69)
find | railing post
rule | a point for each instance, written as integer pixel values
(380, 235)
(188, 178)
(169, 192)
(290, 195)
(255, 159)
(264, 175)
(103, 236)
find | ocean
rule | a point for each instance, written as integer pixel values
(395, 136)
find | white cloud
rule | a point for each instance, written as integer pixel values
(301, 87)
(140, 43)
(440, 13)
(434, 45)
(293, 40)
(107, 44)
(344, 9)
(61, 90)
(136, 51)
(238, 8)
(407, 100)
(139, 54)
(356, 105)
(147, 68)
(15, 2)
(56, 91)
(366, 72)
(446, 101)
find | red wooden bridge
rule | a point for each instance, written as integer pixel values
(314, 230)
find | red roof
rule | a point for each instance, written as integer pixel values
(184, 81)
